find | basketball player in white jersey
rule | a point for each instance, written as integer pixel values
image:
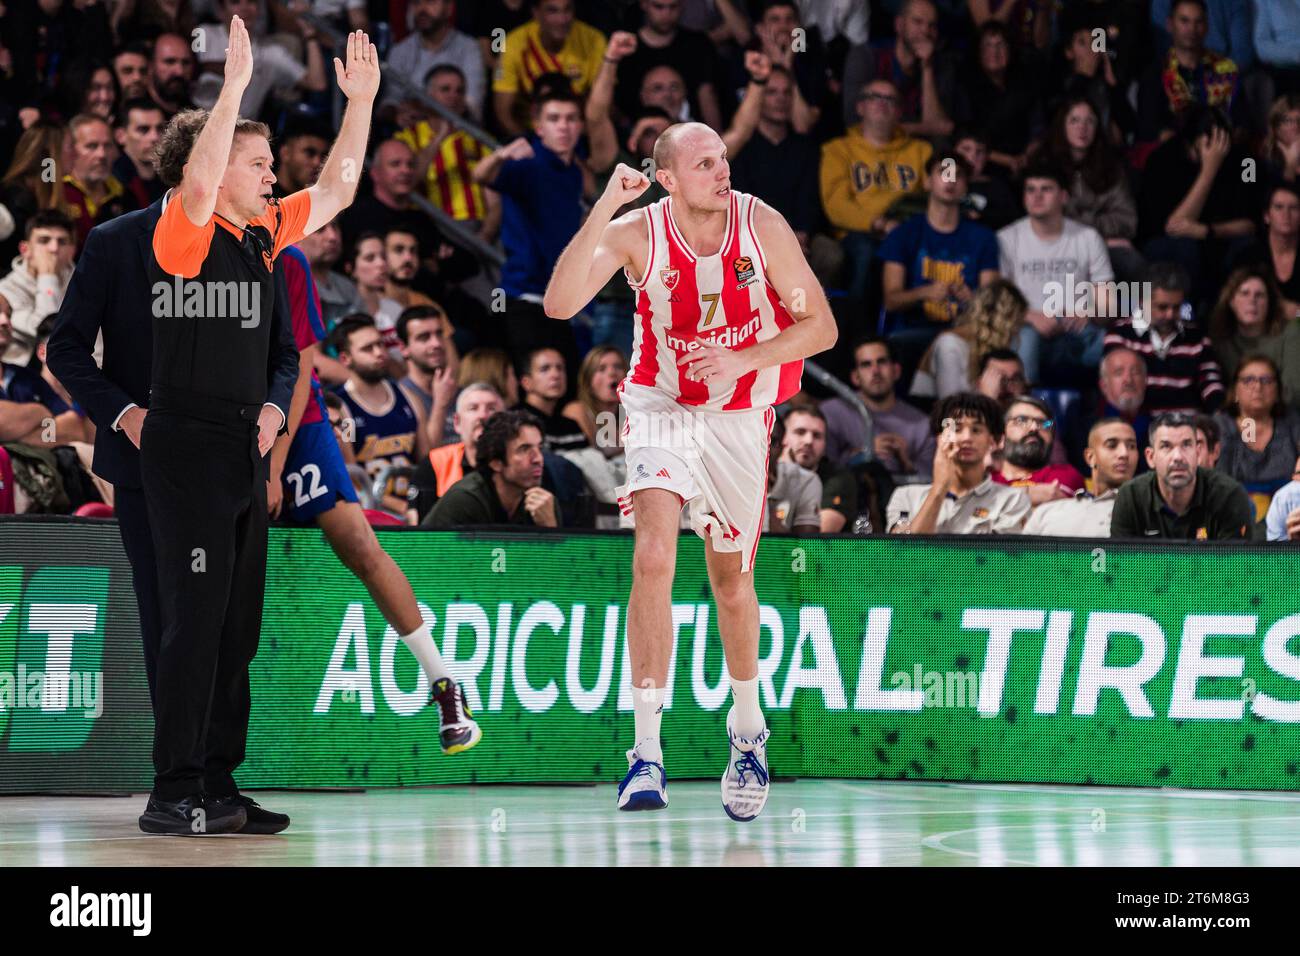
(727, 309)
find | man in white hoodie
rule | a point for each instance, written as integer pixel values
(40, 276)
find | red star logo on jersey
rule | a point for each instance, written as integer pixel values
(669, 278)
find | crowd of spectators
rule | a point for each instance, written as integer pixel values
(1059, 238)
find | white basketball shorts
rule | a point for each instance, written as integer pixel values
(715, 462)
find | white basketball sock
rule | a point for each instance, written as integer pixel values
(648, 710)
(747, 720)
(420, 642)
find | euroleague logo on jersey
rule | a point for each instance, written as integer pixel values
(744, 269)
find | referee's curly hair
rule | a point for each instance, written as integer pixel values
(498, 432)
(177, 141)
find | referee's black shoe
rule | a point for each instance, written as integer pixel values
(260, 820)
(191, 816)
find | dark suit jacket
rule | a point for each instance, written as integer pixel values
(110, 292)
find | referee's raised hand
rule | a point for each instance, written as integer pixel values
(239, 55)
(359, 77)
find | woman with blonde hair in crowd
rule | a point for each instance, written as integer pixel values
(992, 321)
(602, 462)
(31, 184)
(1282, 142)
(1249, 319)
(598, 379)
(494, 367)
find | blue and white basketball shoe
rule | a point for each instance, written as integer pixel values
(645, 786)
(745, 782)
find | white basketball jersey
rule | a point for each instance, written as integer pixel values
(724, 299)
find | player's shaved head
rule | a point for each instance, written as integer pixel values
(691, 165)
(681, 137)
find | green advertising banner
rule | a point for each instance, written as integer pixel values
(74, 703)
(1009, 659)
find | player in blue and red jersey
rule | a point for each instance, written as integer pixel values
(310, 481)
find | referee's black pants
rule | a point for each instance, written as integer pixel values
(205, 486)
(132, 514)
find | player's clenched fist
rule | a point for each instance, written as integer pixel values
(625, 185)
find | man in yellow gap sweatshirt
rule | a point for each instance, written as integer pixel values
(863, 172)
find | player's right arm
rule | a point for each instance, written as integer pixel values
(601, 247)
(301, 396)
(280, 450)
(211, 152)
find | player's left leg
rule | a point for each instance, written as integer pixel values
(732, 475)
(317, 489)
(745, 781)
(356, 545)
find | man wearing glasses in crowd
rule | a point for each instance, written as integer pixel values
(863, 172)
(1027, 453)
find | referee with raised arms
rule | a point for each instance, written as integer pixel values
(219, 395)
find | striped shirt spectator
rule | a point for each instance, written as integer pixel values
(449, 180)
(545, 44)
(1183, 373)
(444, 155)
(574, 51)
